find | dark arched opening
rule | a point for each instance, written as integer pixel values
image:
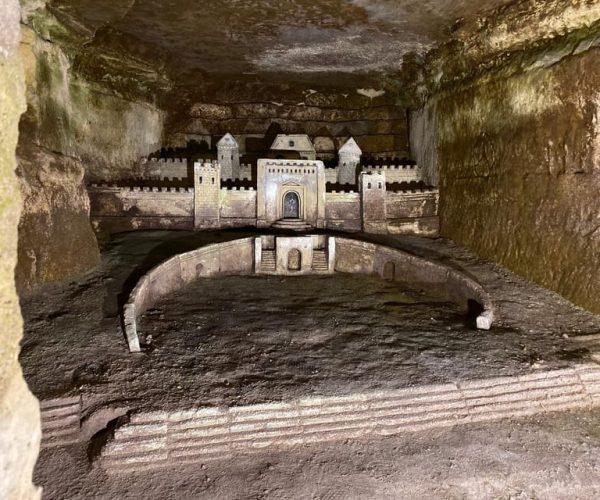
(291, 205)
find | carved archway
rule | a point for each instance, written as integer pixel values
(389, 271)
(291, 205)
(294, 260)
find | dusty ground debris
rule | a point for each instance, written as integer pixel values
(238, 341)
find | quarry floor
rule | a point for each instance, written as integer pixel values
(246, 339)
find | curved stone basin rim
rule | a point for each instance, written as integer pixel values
(297, 256)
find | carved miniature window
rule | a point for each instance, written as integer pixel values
(213, 180)
(292, 144)
(294, 260)
(369, 185)
(291, 206)
(379, 185)
(389, 271)
(200, 179)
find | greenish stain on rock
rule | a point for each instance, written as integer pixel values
(518, 177)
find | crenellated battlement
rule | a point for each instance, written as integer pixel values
(237, 188)
(178, 161)
(422, 190)
(292, 163)
(385, 195)
(207, 164)
(368, 168)
(113, 187)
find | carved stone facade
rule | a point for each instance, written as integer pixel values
(285, 193)
(228, 156)
(299, 143)
(288, 187)
(349, 160)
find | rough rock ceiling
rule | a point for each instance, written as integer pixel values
(297, 38)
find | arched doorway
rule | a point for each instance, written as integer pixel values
(291, 205)
(294, 260)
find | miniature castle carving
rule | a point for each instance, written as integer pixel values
(295, 194)
(349, 160)
(228, 156)
(299, 143)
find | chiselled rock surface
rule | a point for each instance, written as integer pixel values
(76, 117)
(517, 145)
(252, 110)
(56, 240)
(19, 412)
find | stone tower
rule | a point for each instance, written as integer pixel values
(349, 160)
(207, 186)
(228, 151)
(373, 202)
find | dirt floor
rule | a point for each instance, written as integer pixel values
(241, 340)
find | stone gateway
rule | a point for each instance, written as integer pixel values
(291, 205)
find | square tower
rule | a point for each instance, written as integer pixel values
(207, 186)
(349, 160)
(228, 151)
(373, 202)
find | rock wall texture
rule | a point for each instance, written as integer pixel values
(19, 411)
(328, 114)
(73, 130)
(56, 241)
(83, 119)
(515, 133)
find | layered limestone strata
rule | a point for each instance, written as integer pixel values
(249, 110)
(73, 129)
(19, 412)
(56, 240)
(513, 141)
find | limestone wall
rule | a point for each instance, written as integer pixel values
(342, 211)
(237, 207)
(235, 257)
(171, 168)
(76, 117)
(410, 204)
(518, 149)
(331, 175)
(141, 201)
(19, 412)
(249, 110)
(73, 129)
(116, 209)
(353, 256)
(413, 212)
(245, 171)
(56, 241)
(397, 173)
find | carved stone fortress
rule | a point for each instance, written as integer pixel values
(295, 194)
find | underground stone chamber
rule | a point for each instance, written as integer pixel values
(304, 249)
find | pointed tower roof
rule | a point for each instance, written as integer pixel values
(292, 142)
(228, 141)
(350, 147)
